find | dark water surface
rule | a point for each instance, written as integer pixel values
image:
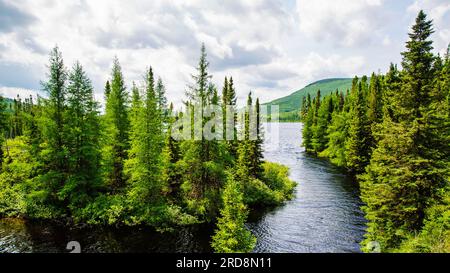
(324, 216)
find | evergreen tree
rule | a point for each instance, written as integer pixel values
(146, 139)
(407, 171)
(306, 104)
(171, 157)
(245, 166)
(257, 144)
(107, 90)
(53, 125)
(116, 127)
(391, 87)
(3, 125)
(201, 157)
(337, 134)
(161, 99)
(356, 146)
(307, 131)
(229, 99)
(231, 235)
(82, 140)
(375, 111)
(324, 115)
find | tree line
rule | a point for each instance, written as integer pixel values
(61, 158)
(392, 132)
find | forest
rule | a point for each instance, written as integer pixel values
(139, 161)
(392, 133)
(63, 159)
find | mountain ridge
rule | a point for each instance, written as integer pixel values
(290, 105)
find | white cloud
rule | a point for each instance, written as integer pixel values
(269, 47)
(342, 22)
(11, 92)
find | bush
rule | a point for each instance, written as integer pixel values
(435, 235)
(273, 188)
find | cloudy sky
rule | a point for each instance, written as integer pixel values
(269, 47)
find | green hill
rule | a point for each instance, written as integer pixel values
(8, 101)
(290, 105)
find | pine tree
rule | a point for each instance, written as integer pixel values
(250, 153)
(204, 166)
(257, 145)
(229, 99)
(337, 134)
(54, 153)
(107, 90)
(391, 87)
(307, 131)
(162, 100)
(356, 146)
(375, 103)
(116, 128)
(144, 163)
(82, 140)
(3, 125)
(417, 67)
(407, 171)
(170, 157)
(324, 115)
(306, 105)
(244, 156)
(231, 235)
(136, 107)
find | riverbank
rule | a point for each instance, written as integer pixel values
(322, 216)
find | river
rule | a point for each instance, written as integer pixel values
(324, 216)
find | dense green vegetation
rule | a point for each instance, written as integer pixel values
(393, 134)
(290, 106)
(61, 159)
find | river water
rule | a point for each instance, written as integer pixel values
(324, 215)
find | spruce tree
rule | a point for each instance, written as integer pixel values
(230, 131)
(3, 125)
(231, 235)
(54, 153)
(201, 157)
(405, 174)
(161, 100)
(82, 140)
(356, 146)
(146, 139)
(324, 115)
(257, 144)
(307, 131)
(375, 103)
(117, 125)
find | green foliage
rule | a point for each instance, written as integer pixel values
(202, 159)
(394, 134)
(435, 235)
(62, 160)
(356, 146)
(143, 167)
(338, 135)
(3, 124)
(231, 235)
(82, 141)
(323, 120)
(410, 166)
(273, 188)
(116, 129)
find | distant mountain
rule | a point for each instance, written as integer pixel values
(290, 105)
(9, 102)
